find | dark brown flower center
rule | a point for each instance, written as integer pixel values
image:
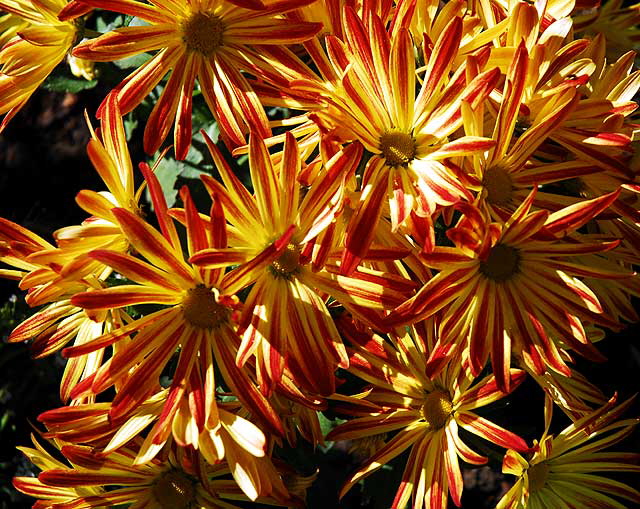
(174, 490)
(502, 263)
(201, 309)
(538, 474)
(398, 148)
(288, 263)
(203, 32)
(437, 408)
(499, 185)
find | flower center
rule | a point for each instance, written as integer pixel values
(499, 185)
(288, 263)
(538, 474)
(202, 32)
(502, 264)
(174, 490)
(398, 148)
(201, 309)
(437, 408)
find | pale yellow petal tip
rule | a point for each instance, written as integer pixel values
(82, 68)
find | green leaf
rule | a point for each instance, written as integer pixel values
(327, 425)
(106, 25)
(130, 124)
(167, 173)
(63, 83)
(132, 61)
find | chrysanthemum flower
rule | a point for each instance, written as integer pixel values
(564, 470)
(507, 172)
(229, 437)
(179, 479)
(10, 24)
(512, 283)
(207, 41)
(59, 322)
(427, 412)
(286, 321)
(41, 43)
(573, 394)
(196, 317)
(555, 66)
(376, 104)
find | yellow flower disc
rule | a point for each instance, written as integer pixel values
(201, 309)
(202, 32)
(437, 408)
(398, 148)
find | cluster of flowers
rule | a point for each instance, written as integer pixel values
(454, 209)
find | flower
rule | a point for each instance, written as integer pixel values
(228, 437)
(511, 282)
(617, 22)
(42, 41)
(562, 470)
(427, 412)
(60, 322)
(110, 157)
(208, 41)
(196, 319)
(574, 394)
(507, 172)
(285, 321)
(179, 479)
(374, 101)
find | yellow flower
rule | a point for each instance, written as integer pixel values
(228, 437)
(286, 321)
(197, 318)
(42, 41)
(371, 98)
(180, 479)
(514, 283)
(426, 412)
(205, 40)
(108, 151)
(562, 472)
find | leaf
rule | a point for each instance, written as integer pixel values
(64, 83)
(105, 22)
(133, 61)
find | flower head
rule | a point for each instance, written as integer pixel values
(178, 479)
(427, 413)
(207, 41)
(286, 321)
(563, 472)
(40, 43)
(512, 282)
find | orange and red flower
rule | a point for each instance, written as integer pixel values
(210, 41)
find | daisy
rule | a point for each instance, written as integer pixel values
(515, 283)
(40, 43)
(210, 41)
(564, 471)
(374, 101)
(427, 413)
(179, 479)
(286, 321)
(196, 318)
